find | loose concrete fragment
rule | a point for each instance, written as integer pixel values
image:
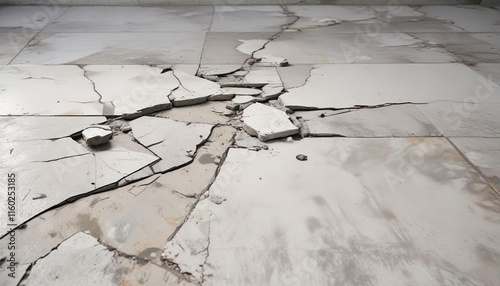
(271, 91)
(97, 135)
(193, 90)
(267, 122)
(82, 260)
(174, 142)
(243, 99)
(241, 91)
(228, 113)
(231, 92)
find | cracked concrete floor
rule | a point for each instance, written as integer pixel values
(250, 145)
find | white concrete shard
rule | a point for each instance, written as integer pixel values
(271, 91)
(231, 92)
(193, 90)
(337, 86)
(390, 121)
(97, 135)
(188, 250)
(242, 99)
(174, 142)
(267, 122)
(24, 128)
(21, 87)
(484, 153)
(241, 91)
(82, 260)
(305, 225)
(141, 89)
(62, 169)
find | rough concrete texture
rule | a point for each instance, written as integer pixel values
(250, 144)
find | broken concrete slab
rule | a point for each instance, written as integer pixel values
(62, 170)
(83, 260)
(241, 91)
(20, 88)
(444, 82)
(25, 128)
(193, 90)
(97, 135)
(267, 122)
(107, 216)
(390, 121)
(174, 142)
(383, 178)
(230, 92)
(484, 153)
(142, 89)
(243, 99)
(271, 91)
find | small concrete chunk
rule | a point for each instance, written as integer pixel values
(97, 135)
(267, 122)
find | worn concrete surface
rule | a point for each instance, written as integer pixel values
(401, 190)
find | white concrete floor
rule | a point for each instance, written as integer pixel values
(216, 173)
